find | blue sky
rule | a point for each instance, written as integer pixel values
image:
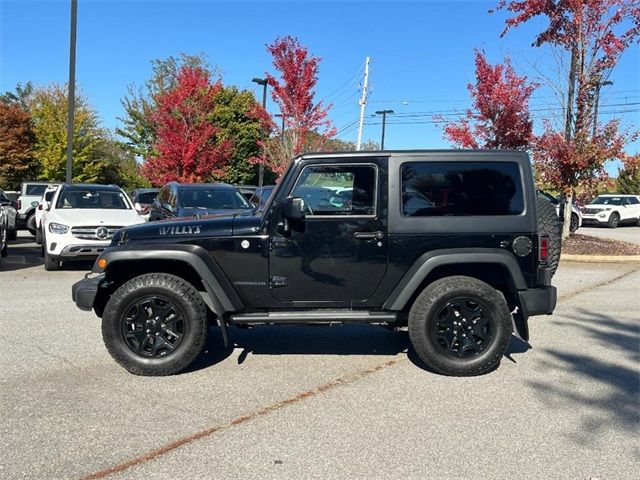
(421, 53)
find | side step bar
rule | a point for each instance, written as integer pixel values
(319, 317)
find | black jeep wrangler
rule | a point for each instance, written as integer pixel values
(453, 244)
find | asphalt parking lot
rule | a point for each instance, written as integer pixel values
(342, 402)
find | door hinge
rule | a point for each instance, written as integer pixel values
(278, 282)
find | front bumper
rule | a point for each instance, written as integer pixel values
(84, 292)
(588, 218)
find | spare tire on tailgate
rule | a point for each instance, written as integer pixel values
(549, 225)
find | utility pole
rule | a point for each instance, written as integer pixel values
(384, 114)
(283, 116)
(363, 102)
(72, 89)
(595, 106)
(264, 83)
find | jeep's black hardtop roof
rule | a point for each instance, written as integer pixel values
(409, 153)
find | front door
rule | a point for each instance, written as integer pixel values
(338, 253)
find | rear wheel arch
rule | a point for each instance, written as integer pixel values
(497, 268)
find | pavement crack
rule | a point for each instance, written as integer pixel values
(44, 352)
(569, 296)
(261, 412)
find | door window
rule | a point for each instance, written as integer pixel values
(338, 190)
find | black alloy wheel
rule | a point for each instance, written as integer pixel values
(463, 328)
(153, 327)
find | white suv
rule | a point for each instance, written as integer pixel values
(81, 220)
(612, 210)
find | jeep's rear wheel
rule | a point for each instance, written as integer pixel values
(460, 326)
(155, 324)
(549, 225)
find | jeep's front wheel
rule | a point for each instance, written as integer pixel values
(460, 326)
(155, 324)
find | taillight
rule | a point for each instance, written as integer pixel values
(40, 206)
(543, 250)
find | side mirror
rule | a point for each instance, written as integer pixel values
(34, 203)
(292, 208)
(137, 206)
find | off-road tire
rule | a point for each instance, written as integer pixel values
(183, 296)
(614, 220)
(31, 224)
(549, 225)
(422, 317)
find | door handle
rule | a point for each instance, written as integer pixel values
(369, 235)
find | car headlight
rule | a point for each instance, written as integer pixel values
(58, 228)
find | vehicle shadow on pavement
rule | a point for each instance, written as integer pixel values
(24, 253)
(619, 408)
(316, 340)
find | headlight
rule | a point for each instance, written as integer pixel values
(58, 228)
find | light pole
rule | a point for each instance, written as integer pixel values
(72, 88)
(595, 107)
(264, 83)
(384, 114)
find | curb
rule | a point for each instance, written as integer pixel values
(601, 258)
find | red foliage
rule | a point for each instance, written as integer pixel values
(186, 148)
(294, 94)
(578, 161)
(500, 116)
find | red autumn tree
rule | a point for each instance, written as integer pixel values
(187, 146)
(294, 93)
(500, 116)
(16, 145)
(593, 34)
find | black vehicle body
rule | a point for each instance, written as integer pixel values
(11, 210)
(368, 268)
(182, 200)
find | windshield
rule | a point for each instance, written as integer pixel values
(146, 197)
(92, 198)
(608, 201)
(213, 199)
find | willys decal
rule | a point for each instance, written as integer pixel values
(181, 230)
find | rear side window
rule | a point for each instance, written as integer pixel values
(432, 189)
(35, 190)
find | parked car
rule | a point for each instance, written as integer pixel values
(10, 207)
(464, 271)
(613, 210)
(3, 233)
(196, 200)
(247, 191)
(576, 213)
(43, 206)
(142, 199)
(261, 195)
(81, 221)
(30, 192)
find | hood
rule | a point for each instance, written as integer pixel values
(81, 217)
(179, 229)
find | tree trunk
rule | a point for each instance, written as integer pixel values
(566, 222)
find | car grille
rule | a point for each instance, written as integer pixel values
(591, 211)
(99, 232)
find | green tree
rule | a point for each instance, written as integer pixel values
(628, 180)
(233, 115)
(138, 129)
(16, 145)
(49, 112)
(22, 96)
(121, 167)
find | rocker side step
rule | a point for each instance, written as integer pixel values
(314, 317)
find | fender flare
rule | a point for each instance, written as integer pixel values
(429, 261)
(220, 292)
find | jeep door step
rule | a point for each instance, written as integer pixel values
(314, 317)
